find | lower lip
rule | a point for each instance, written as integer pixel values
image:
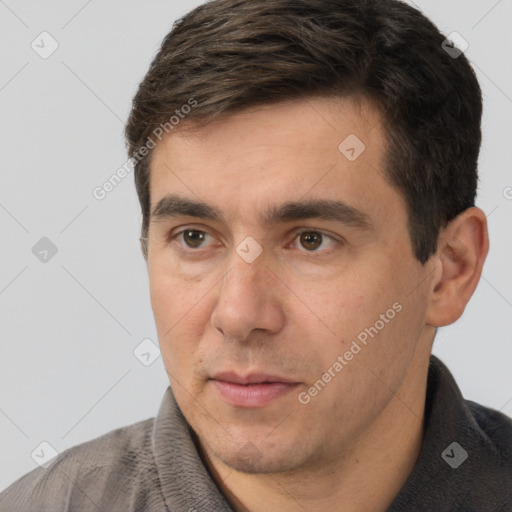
(253, 395)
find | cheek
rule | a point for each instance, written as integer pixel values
(182, 311)
(363, 314)
(341, 307)
(173, 295)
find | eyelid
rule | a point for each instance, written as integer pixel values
(323, 232)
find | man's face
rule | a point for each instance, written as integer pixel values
(335, 302)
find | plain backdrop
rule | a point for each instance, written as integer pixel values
(69, 325)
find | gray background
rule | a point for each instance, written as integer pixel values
(69, 326)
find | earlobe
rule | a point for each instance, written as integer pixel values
(461, 252)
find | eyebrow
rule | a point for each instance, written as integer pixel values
(326, 209)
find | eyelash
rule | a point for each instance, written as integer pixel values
(315, 253)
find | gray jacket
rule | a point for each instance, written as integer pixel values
(153, 466)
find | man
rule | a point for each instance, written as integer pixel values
(307, 173)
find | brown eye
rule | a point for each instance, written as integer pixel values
(193, 238)
(311, 240)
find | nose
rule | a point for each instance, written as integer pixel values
(248, 301)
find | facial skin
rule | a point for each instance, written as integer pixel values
(300, 305)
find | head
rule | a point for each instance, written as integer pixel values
(307, 173)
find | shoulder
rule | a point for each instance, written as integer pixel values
(496, 429)
(82, 476)
(492, 450)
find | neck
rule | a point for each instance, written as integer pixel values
(367, 475)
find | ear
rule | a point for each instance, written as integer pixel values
(462, 248)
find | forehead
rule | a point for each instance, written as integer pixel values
(260, 158)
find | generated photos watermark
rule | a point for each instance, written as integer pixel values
(100, 192)
(355, 348)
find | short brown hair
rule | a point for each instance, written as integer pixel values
(227, 55)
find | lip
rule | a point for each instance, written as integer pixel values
(252, 390)
(251, 378)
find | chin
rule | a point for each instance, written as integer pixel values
(266, 458)
(259, 464)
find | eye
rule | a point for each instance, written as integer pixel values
(311, 240)
(191, 238)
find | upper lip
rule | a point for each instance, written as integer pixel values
(250, 378)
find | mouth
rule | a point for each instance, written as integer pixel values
(253, 390)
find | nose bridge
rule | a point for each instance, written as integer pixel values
(245, 301)
(243, 280)
(247, 265)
